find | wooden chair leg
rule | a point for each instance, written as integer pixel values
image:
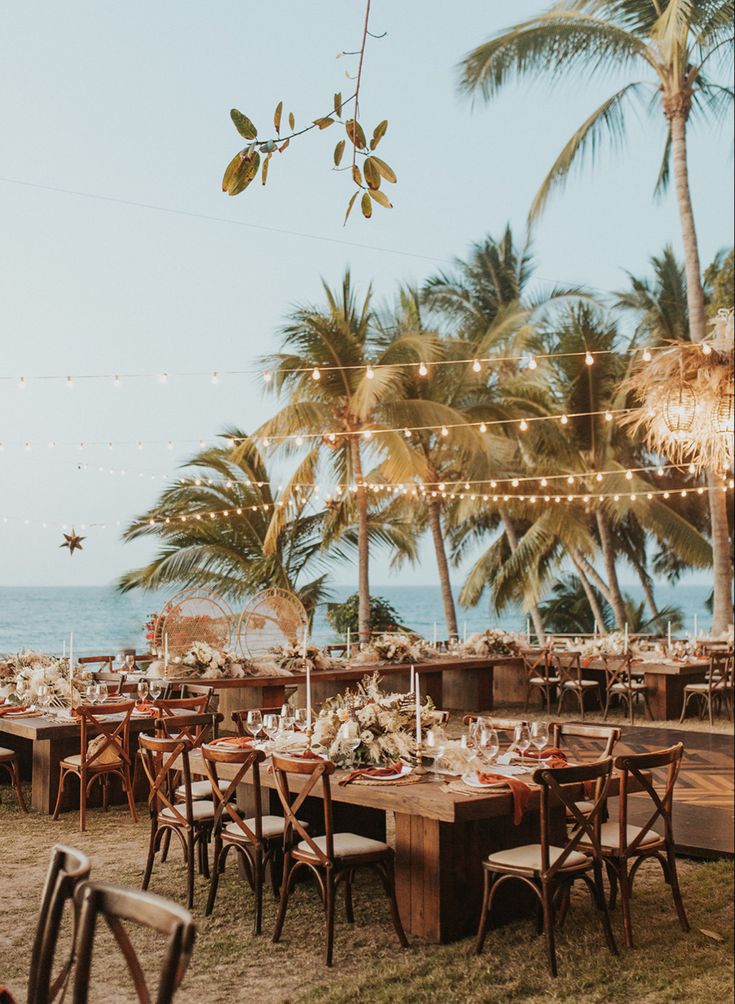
(675, 890)
(129, 786)
(15, 778)
(258, 884)
(709, 709)
(484, 913)
(625, 893)
(151, 854)
(387, 874)
(329, 904)
(684, 705)
(190, 840)
(612, 877)
(607, 706)
(165, 845)
(601, 904)
(283, 902)
(548, 905)
(62, 782)
(349, 907)
(580, 698)
(83, 801)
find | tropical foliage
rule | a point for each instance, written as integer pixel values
(383, 615)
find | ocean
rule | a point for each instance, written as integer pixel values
(104, 621)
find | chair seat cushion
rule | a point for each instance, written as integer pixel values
(610, 832)
(273, 826)
(6, 754)
(585, 807)
(539, 681)
(580, 683)
(702, 688)
(622, 688)
(528, 857)
(201, 810)
(75, 760)
(346, 845)
(200, 789)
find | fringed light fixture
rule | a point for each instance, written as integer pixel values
(686, 399)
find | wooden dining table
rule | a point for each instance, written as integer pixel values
(664, 679)
(440, 837)
(43, 741)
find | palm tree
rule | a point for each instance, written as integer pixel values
(225, 553)
(675, 42)
(345, 379)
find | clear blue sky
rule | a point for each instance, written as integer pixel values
(131, 101)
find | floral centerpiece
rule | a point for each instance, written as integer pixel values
(206, 662)
(398, 647)
(22, 674)
(491, 642)
(370, 727)
(608, 644)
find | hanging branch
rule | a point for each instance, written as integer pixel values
(245, 165)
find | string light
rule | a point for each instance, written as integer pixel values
(532, 364)
(163, 377)
(267, 376)
(22, 383)
(69, 383)
(589, 359)
(706, 349)
(646, 355)
(563, 419)
(315, 374)
(370, 373)
(422, 369)
(523, 425)
(116, 382)
(215, 377)
(476, 367)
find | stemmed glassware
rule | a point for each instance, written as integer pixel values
(44, 696)
(254, 722)
(271, 726)
(100, 693)
(155, 687)
(539, 735)
(522, 739)
(142, 691)
(488, 743)
(299, 717)
(435, 744)
(90, 693)
(130, 663)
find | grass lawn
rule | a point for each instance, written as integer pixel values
(230, 965)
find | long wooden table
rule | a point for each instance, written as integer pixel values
(664, 680)
(440, 836)
(42, 742)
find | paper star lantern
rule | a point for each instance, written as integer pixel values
(73, 541)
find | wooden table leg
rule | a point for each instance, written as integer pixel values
(47, 754)
(666, 694)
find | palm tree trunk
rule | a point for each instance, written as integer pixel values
(589, 569)
(722, 568)
(363, 552)
(450, 614)
(645, 580)
(608, 556)
(510, 533)
(591, 596)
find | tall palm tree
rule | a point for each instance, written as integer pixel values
(677, 43)
(345, 381)
(225, 553)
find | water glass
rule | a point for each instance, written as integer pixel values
(539, 735)
(522, 739)
(254, 722)
(129, 663)
(435, 743)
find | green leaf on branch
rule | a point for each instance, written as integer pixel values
(277, 116)
(366, 206)
(243, 124)
(338, 152)
(371, 172)
(355, 133)
(338, 104)
(380, 197)
(324, 123)
(378, 133)
(350, 204)
(386, 171)
(240, 172)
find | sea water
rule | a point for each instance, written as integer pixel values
(105, 621)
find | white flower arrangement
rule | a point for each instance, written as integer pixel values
(491, 642)
(370, 727)
(206, 662)
(32, 670)
(396, 647)
(609, 644)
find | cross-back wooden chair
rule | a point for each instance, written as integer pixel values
(257, 838)
(240, 717)
(540, 675)
(568, 668)
(717, 688)
(621, 684)
(191, 820)
(506, 726)
(9, 762)
(626, 847)
(550, 870)
(68, 868)
(119, 907)
(332, 858)
(597, 742)
(104, 752)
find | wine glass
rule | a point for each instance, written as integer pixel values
(155, 687)
(522, 739)
(435, 743)
(254, 722)
(130, 663)
(142, 691)
(100, 693)
(288, 719)
(539, 735)
(299, 716)
(488, 742)
(44, 696)
(22, 689)
(473, 728)
(90, 693)
(271, 726)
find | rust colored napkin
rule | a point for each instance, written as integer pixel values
(146, 709)
(388, 771)
(237, 742)
(551, 757)
(13, 709)
(520, 792)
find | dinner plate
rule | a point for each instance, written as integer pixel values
(403, 772)
(509, 770)
(21, 714)
(473, 781)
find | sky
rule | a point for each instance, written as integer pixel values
(130, 103)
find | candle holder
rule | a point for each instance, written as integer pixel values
(419, 768)
(309, 733)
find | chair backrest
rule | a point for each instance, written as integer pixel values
(246, 760)
(195, 727)
(315, 771)
(567, 665)
(636, 765)
(89, 660)
(113, 737)
(160, 755)
(553, 782)
(499, 724)
(168, 707)
(608, 735)
(536, 662)
(240, 717)
(617, 671)
(719, 673)
(120, 906)
(198, 690)
(68, 868)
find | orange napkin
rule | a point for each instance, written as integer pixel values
(146, 709)
(13, 709)
(237, 742)
(552, 757)
(520, 792)
(388, 771)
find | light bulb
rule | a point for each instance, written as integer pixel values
(515, 482)
(315, 374)
(299, 440)
(588, 358)
(544, 482)
(570, 479)
(163, 378)
(444, 430)
(407, 433)
(523, 425)
(483, 427)
(422, 369)
(646, 355)
(633, 497)
(169, 445)
(215, 376)
(22, 383)
(532, 364)
(267, 376)
(707, 349)
(628, 475)
(598, 477)
(476, 366)
(616, 498)
(140, 445)
(370, 373)
(116, 382)
(666, 494)
(608, 416)
(69, 383)
(367, 434)
(564, 419)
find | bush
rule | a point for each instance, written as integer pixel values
(344, 616)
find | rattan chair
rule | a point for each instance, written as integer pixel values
(550, 870)
(9, 762)
(626, 847)
(191, 820)
(622, 685)
(119, 907)
(332, 858)
(104, 753)
(568, 668)
(540, 676)
(717, 688)
(68, 869)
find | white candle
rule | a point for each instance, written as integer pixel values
(347, 650)
(63, 649)
(435, 639)
(412, 682)
(626, 638)
(695, 626)
(528, 629)
(464, 638)
(668, 632)
(165, 650)
(418, 713)
(71, 656)
(308, 681)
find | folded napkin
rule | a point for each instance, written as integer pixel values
(388, 771)
(13, 709)
(520, 792)
(236, 742)
(551, 757)
(145, 708)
